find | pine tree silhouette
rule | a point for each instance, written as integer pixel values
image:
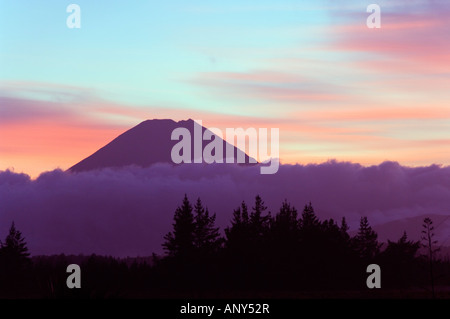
(282, 246)
(284, 226)
(180, 242)
(14, 260)
(206, 236)
(365, 241)
(310, 230)
(237, 235)
(344, 228)
(399, 263)
(258, 221)
(309, 219)
(245, 243)
(15, 251)
(403, 247)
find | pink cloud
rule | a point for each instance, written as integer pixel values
(406, 42)
(272, 86)
(377, 113)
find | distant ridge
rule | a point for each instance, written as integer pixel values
(145, 144)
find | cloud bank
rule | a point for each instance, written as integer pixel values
(126, 212)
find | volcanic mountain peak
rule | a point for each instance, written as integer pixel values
(145, 144)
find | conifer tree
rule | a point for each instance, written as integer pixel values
(180, 242)
(14, 254)
(399, 262)
(344, 226)
(403, 250)
(15, 245)
(366, 243)
(238, 233)
(258, 221)
(206, 235)
(285, 223)
(309, 219)
(344, 229)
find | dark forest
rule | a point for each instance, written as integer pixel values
(288, 253)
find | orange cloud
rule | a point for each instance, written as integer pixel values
(39, 146)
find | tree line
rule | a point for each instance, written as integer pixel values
(289, 252)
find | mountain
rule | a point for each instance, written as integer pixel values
(413, 227)
(393, 230)
(145, 144)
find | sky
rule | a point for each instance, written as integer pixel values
(335, 88)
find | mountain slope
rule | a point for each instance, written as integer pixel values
(413, 226)
(143, 145)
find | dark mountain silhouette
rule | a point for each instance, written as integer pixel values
(393, 230)
(413, 227)
(143, 145)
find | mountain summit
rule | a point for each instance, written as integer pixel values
(143, 145)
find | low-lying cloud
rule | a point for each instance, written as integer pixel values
(127, 211)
